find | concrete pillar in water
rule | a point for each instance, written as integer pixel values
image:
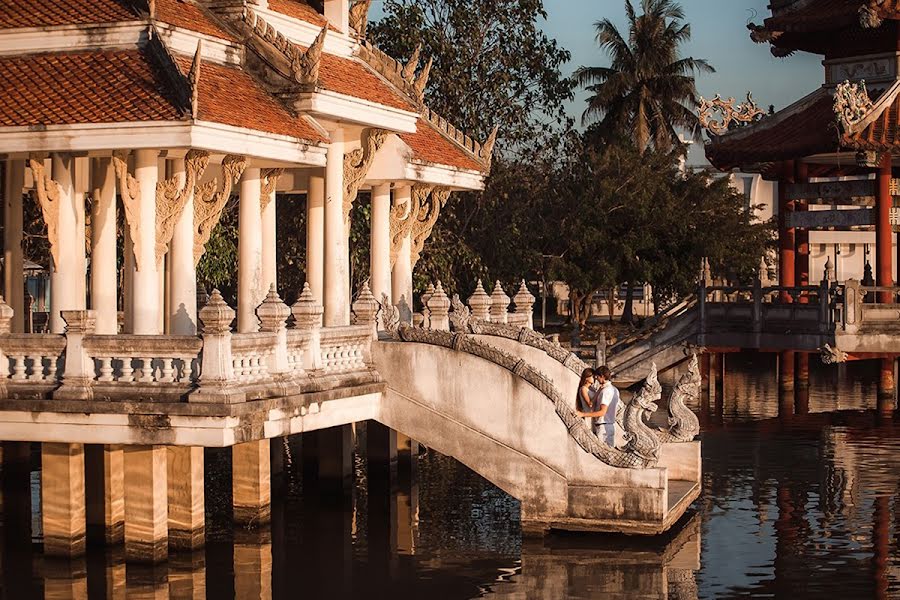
(407, 453)
(334, 447)
(253, 565)
(104, 468)
(381, 447)
(801, 384)
(65, 579)
(62, 499)
(786, 380)
(187, 503)
(187, 576)
(251, 483)
(886, 386)
(146, 504)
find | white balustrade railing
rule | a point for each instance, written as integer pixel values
(298, 342)
(250, 356)
(33, 357)
(144, 359)
(345, 348)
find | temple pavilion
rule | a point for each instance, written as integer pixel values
(832, 152)
(131, 123)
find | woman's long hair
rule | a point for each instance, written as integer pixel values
(584, 377)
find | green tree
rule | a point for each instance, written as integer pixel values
(649, 88)
(493, 66)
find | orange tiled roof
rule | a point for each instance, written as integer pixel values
(189, 16)
(81, 87)
(346, 76)
(230, 96)
(825, 15)
(812, 129)
(428, 145)
(43, 13)
(298, 10)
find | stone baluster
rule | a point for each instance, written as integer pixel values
(366, 309)
(217, 368)
(78, 374)
(524, 302)
(480, 303)
(439, 309)
(499, 304)
(853, 302)
(272, 315)
(6, 317)
(308, 317)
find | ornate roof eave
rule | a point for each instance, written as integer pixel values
(770, 120)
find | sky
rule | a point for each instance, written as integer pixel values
(719, 34)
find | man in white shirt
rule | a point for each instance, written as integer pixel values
(605, 405)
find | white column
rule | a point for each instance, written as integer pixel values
(104, 289)
(128, 283)
(14, 278)
(183, 276)
(67, 277)
(269, 244)
(250, 289)
(315, 236)
(145, 278)
(337, 258)
(380, 252)
(82, 183)
(401, 276)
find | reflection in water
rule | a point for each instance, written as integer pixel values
(806, 505)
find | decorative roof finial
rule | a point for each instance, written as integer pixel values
(359, 17)
(487, 149)
(194, 79)
(422, 79)
(732, 113)
(409, 71)
(851, 103)
(305, 65)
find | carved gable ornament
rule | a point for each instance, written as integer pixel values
(851, 103)
(359, 16)
(732, 114)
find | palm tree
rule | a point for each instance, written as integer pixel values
(649, 89)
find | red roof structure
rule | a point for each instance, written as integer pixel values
(45, 13)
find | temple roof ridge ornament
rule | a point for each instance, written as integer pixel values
(304, 64)
(851, 104)
(732, 113)
(184, 85)
(359, 17)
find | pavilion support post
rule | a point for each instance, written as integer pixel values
(315, 236)
(145, 276)
(886, 386)
(183, 281)
(250, 289)
(401, 276)
(62, 499)
(884, 274)
(801, 236)
(146, 504)
(786, 235)
(337, 257)
(67, 277)
(334, 451)
(187, 503)
(801, 384)
(251, 483)
(786, 380)
(104, 267)
(105, 492)
(269, 240)
(13, 260)
(380, 270)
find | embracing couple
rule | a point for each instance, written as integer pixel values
(598, 399)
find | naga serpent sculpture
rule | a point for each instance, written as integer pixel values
(640, 439)
(683, 423)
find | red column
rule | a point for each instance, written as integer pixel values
(785, 234)
(801, 384)
(801, 236)
(883, 232)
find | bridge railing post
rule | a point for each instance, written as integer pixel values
(216, 383)
(701, 309)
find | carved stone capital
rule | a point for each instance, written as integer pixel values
(48, 194)
(172, 195)
(429, 211)
(209, 201)
(268, 181)
(356, 166)
(130, 192)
